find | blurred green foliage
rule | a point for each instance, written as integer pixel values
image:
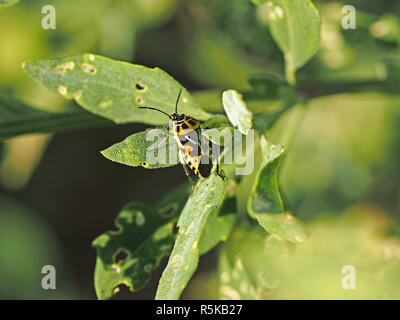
(313, 270)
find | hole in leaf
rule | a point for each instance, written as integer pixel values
(88, 68)
(139, 86)
(122, 288)
(121, 256)
(115, 268)
(139, 100)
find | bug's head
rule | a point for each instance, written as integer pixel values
(177, 117)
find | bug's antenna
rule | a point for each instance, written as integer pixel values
(177, 100)
(156, 110)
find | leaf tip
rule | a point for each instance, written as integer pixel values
(106, 153)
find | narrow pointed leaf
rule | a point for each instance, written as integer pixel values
(207, 197)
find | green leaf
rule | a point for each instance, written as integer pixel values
(206, 198)
(147, 149)
(18, 118)
(284, 225)
(8, 3)
(237, 111)
(266, 196)
(295, 27)
(114, 90)
(145, 234)
(218, 226)
(265, 203)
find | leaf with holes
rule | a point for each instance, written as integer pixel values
(114, 90)
(295, 27)
(145, 235)
(237, 111)
(18, 118)
(265, 203)
(150, 149)
(207, 197)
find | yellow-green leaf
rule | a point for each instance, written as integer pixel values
(150, 149)
(113, 89)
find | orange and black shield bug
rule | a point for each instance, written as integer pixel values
(195, 149)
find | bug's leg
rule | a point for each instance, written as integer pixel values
(152, 128)
(188, 175)
(219, 173)
(187, 172)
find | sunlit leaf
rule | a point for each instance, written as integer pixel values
(150, 149)
(114, 90)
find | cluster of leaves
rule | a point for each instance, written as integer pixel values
(113, 91)
(146, 234)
